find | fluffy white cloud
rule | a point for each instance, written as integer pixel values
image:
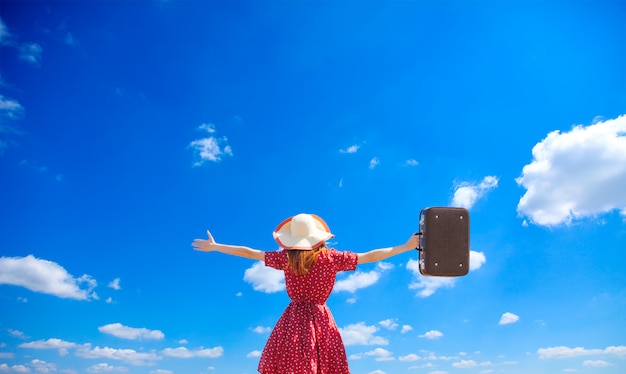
(576, 174)
(567, 352)
(380, 354)
(361, 334)
(405, 329)
(466, 194)
(264, 278)
(254, 354)
(115, 284)
(182, 352)
(120, 331)
(429, 285)
(358, 279)
(508, 318)
(432, 334)
(390, 324)
(46, 277)
(210, 148)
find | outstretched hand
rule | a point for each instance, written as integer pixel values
(205, 245)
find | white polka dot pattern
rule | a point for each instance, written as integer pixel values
(306, 339)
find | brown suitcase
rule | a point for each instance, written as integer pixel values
(444, 246)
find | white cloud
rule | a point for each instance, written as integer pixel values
(46, 277)
(405, 329)
(4, 32)
(254, 354)
(106, 368)
(377, 372)
(466, 194)
(361, 334)
(567, 352)
(9, 109)
(4, 368)
(389, 324)
(208, 127)
(412, 162)
(432, 334)
(596, 363)
(132, 333)
(380, 354)
(264, 278)
(409, 358)
(429, 285)
(262, 329)
(464, 364)
(49, 344)
(358, 279)
(182, 352)
(351, 149)
(210, 148)
(42, 366)
(374, 162)
(477, 259)
(129, 356)
(115, 284)
(576, 174)
(508, 318)
(31, 53)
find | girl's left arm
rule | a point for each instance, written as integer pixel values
(209, 245)
(383, 253)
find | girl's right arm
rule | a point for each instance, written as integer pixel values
(209, 245)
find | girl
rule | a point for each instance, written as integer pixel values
(305, 339)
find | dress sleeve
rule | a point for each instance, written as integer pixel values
(344, 261)
(276, 260)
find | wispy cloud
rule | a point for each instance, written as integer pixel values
(182, 352)
(210, 148)
(567, 352)
(46, 277)
(31, 53)
(132, 333)
(466, 194)
(374, 162)
(576, 174)
(351, 149)
(412, 162)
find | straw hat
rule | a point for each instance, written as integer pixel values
(302, 231)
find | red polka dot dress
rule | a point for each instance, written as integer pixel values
(306, 339)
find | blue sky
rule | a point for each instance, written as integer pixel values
(129, 128)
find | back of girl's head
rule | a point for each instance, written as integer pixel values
(300, 261)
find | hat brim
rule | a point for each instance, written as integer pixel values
(316, 237)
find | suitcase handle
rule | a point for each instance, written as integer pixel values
(419, 247)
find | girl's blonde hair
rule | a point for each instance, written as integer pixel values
(299, 262)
